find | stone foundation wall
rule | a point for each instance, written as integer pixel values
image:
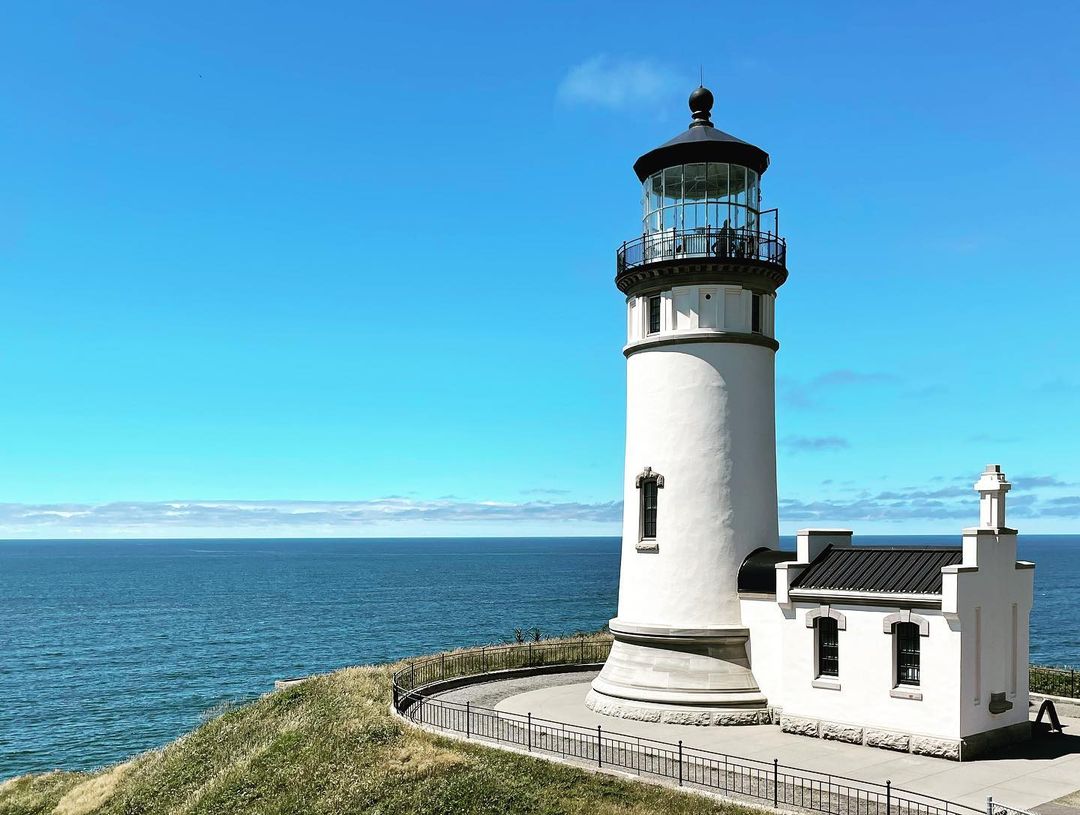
(965, 749)
(699, 717)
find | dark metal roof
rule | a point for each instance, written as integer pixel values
(758, 571)
(701, 142)
(900, 570)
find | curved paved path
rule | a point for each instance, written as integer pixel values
(1025, 776)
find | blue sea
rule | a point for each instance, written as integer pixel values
(108, 648)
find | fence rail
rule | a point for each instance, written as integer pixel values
(771, 782)
(723, 244)
(1053, 681)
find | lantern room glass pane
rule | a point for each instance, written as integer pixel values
(717, 181)
(737, 182)
(673, 185)
(693, 182)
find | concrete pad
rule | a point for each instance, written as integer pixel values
(1020, 777)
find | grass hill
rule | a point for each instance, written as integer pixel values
(327, 746)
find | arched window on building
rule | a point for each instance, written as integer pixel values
(649, 484)
(828, 647)
(906, 636)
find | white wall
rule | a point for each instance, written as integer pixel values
(981, 594)
(765, 619)
(868, 674)
(701, 415)
(700, 308)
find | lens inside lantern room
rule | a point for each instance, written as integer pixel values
(696, 197)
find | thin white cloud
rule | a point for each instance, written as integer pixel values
(814, 444)
(616, 83)
(807, 394)
(159, 517)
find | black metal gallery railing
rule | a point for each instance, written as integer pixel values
(771, 782)
(1052, 681)
(722, 244)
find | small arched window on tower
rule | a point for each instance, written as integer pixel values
(649, 484)
(654, 314)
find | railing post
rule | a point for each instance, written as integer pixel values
(776, 782)
(599, 748)
(989, 805)
(529, 728)
(442, 666)
(467, 711)
(1072, 683)
(888, 796)
(680, 762)
(582, 660)
(483, 656)
(530, 654)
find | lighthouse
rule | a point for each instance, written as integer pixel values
(700, 475)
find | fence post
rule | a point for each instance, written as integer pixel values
(530, 654)
(1072, 683)
(442, 667)
(680, 762)
(530, 730)
(599, 748)
(776, 782)
(483, 656)
(888, 796)
(582, 650)
(467, 711)
(989, 805)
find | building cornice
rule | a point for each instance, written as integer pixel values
(686, 337)
(760, 276)
(866, 598)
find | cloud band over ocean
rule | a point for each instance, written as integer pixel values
(345, 517)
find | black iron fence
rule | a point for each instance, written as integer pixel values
(771, 782)
(1053, 681)
(722, 244)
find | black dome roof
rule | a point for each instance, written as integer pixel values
(701, 142)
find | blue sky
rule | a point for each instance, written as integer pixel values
(346, 269)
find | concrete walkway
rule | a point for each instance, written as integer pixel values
(1023, 777)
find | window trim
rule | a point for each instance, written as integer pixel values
(914, 664)
(654, 307)
(648, 477)
(820, 625)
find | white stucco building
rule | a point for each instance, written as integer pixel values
(908, 649)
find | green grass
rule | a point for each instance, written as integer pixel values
(331, 745)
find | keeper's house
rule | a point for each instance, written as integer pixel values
(922, 650)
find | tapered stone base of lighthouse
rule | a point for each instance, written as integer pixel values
(700, 477)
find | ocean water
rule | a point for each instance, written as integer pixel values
(108, 648)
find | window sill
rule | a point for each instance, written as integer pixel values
(648, 546)
(826, 684)
(903, 693)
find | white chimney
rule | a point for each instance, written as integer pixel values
(992, 487)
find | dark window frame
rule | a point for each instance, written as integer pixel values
(827, 632)
(650, 498)
(654, 306)
(649, 483)
(755, 313)
(908, 653)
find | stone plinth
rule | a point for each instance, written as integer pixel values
(697, 676)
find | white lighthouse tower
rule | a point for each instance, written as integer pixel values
(700, 477)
